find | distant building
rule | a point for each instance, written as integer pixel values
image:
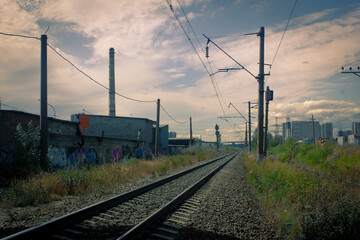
(172, 134)
(344, 133)
(287, 129)
(355, 126)
(301, 130)
(133, 132)
(327, 130)
(353, 139)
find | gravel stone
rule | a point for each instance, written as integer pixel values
(230, 209)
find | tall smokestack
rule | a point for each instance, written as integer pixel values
(111, 82)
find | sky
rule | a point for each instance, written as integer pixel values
(154, 59)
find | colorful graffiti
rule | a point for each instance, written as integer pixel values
(72, 157)
(117, 154)
(58, 156)
(82, 156)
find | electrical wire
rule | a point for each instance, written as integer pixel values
(212, 77)
(282, 37)
(194, 48)
(85, 74)
(100, 84)
(18, 35)
(3, 104)
(172, 117)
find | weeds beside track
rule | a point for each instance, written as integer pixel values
(304, 204)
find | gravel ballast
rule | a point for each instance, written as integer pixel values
(230, 209)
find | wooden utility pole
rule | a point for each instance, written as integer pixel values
(43, 106)
(260, 78)
(157, 132)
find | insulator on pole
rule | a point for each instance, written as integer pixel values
(207, 52)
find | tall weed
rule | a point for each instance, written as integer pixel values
(44, 187)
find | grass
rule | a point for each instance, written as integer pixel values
(305, 205)
(45, 187)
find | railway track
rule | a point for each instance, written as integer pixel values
(129, 215)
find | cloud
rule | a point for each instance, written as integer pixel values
(151, 50)
(178, 75)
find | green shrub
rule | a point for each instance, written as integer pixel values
(332, 222)
(161, 170)
(27, 154)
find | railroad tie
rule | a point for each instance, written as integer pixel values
(172, 225)
(60, 237)
(162, 236)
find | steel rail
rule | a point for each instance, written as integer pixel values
(97, 208)
(138, 231)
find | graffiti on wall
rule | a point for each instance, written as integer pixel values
(117, 154)
(58, 156)
(82, 156)
(67, 157)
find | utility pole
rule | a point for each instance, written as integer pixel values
(157, 132)
(246, 145)
(249, 127)
(313, 124)
(268, 97)
(190, 131)
(43, 105)
(260, 137)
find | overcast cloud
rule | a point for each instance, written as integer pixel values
(154, 60)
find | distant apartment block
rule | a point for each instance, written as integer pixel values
(344, 133)
(355, 126)
(172, 134)
(301, 130)
(327, 130)
(350, 136)
(286, 129)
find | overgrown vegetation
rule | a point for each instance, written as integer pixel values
(310, 193)
(44, 187)
(26, 156)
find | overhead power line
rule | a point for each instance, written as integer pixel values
(282, 37)
(100, 84)
(85, 74)
(3, 104)
(18, 35)
(171, 116)
(194, 48)
(78, 69)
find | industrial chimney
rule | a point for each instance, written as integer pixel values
(111, 82)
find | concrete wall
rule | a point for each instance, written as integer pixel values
(99, 139)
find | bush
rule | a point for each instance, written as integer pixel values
(333, 222)
(27, 154)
